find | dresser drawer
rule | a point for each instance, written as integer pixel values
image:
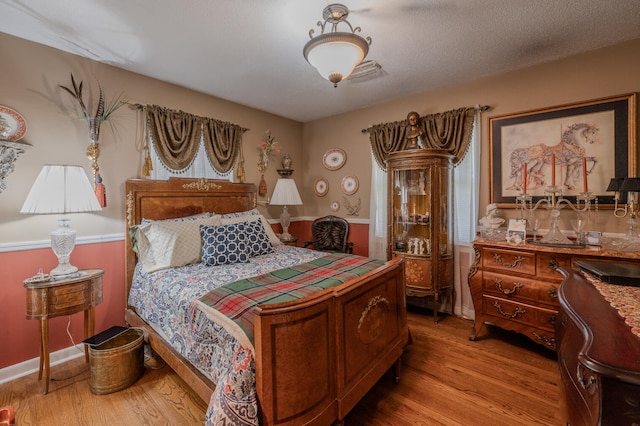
(72, 297)
(521, 289)
(509, 261)
(535, 316)
(548, 263)
(509, 286)
(509, 310)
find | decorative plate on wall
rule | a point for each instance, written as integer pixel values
(350, 184)
(12, 125)
(335, 206)
(334, 159)
(321, 187)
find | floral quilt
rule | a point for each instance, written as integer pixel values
(167, 300)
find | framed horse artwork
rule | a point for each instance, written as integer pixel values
(583, 145)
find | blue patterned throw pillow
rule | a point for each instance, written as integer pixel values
(257, 239)
(223, 245)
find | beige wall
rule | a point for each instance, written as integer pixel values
(31, 74)
(602, 73)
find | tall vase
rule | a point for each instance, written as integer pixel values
(262, 187)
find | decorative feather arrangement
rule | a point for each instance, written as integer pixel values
(103, 112)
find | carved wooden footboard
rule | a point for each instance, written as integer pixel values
(317, 357)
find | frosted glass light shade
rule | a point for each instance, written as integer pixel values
(61, 189)
(335, 55)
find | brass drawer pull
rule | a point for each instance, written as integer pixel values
(516, 287)
(553, 293)
(516, 264)
(553, 264)
(516, 314)
(588, 384)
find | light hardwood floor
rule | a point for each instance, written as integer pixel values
(500, 379)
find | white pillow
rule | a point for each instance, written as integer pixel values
(252, 212)
(228, 220)
(141, 246)
(197, 216)
(172, 244)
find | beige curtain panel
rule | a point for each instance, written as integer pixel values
(176, 138)
(176, 135)
(223, 143)
(449, 130)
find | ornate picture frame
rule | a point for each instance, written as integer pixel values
(602, 131)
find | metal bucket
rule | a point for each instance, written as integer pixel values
(117, 363)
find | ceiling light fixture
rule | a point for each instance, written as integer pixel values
(336, 53)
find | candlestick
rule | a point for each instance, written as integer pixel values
(584, 174)
(524, 178)
(553, 170)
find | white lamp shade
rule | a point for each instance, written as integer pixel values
(336, 54)
(285, 193)
(61, 189)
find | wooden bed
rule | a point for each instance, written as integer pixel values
(346, 337)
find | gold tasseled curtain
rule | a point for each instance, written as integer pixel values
(223, 143)
(449, 130)
(176, 137)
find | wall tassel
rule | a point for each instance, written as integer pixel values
(101, 191)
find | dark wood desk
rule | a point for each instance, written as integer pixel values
(63, 296)
(598, 357)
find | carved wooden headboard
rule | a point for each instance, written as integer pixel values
(178, 197)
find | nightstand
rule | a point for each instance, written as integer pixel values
(293, 241)
(81, 291)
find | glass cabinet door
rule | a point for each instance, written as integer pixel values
(411, 227)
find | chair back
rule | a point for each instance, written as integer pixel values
(330, 233)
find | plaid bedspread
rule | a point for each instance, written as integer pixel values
(231, 304)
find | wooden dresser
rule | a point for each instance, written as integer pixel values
(598, 356)
(516, 286)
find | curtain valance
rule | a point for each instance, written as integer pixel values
(449, 130)
(176, 137)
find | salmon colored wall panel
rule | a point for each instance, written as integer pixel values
(19, 336)
(358, 234)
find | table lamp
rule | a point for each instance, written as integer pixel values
(631, 186)
(61, 189)
(285, 194)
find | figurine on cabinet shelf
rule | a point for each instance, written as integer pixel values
(423, 249)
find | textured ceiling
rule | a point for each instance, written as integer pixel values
(250, 51)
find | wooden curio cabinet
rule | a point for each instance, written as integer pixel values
(421, 224)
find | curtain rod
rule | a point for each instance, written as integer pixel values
(481, 108)
(142, 106)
